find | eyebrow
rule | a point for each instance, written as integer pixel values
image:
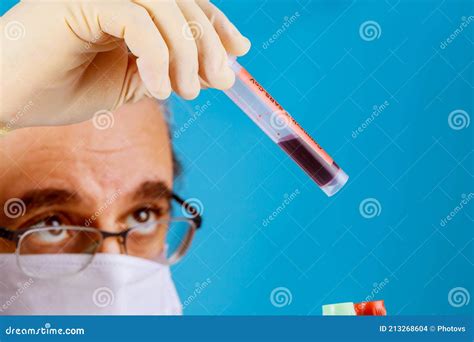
(48, 197)
(152, 190)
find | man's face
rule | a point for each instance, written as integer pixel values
(81, 175)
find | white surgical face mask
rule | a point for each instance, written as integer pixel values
(112, 284)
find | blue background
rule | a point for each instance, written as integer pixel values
(322, 250)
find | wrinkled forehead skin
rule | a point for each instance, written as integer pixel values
(114, 151)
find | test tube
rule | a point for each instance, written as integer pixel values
(277, 123)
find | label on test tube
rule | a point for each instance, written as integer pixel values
(284, 116)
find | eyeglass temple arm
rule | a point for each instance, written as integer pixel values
(196, 217)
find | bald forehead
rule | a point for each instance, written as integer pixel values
(107, 131)
(101, 152)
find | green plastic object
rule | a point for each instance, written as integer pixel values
(340, 309)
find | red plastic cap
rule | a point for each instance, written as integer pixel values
(375, 308)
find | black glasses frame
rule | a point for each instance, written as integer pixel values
(195, 217)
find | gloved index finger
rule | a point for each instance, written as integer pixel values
(132, 23)
(234, 42)
(213, 61)
(184, 66)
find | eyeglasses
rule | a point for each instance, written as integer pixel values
(165, 240)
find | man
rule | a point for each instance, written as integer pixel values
(93, 180)
(87, 226)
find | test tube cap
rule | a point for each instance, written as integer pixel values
(374, 308)
(336, 183)
(340, 309)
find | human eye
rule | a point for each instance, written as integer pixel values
(51, 236)
(142, 219)
(51, 231)
(54, 220)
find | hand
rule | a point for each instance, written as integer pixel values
(62, 61)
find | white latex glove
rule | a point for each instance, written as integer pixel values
(64, 60)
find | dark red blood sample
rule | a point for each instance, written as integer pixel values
(375, 308)
(308, 159)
